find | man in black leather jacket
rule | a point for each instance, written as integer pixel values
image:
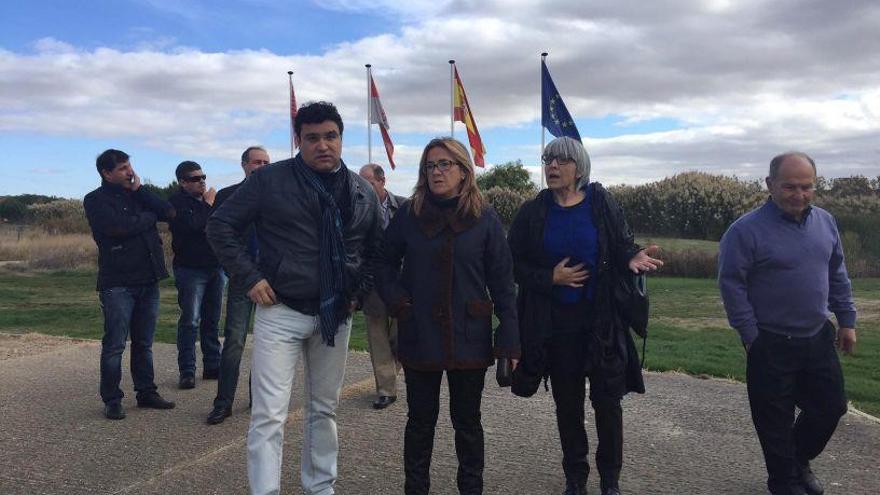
(122, 216)
(319, 232)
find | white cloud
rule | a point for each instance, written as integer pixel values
(746, 80)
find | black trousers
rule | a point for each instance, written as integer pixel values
(784, 372)
(423, 399)
(565, 353)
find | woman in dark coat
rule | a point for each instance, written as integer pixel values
(456, 268)
(570, 244)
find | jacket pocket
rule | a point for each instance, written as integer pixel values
(479, 321)
(479, 309)
(121, 259)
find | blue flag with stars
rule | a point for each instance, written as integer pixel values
(554, 115)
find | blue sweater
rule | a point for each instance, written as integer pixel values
(569, 232)
(783, 276)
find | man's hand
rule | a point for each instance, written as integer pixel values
(209, 196)
(846, 340)
(262, 293)
(572, 276)
(644, 260)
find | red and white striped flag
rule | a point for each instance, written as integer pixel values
(377, 116)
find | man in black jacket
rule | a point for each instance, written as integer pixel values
(197, 275)
(238, 306)
(122, 216)
(318, 230)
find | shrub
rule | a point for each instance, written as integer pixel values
(510, 175)
(692, 205)
(506, 202)
(62, 216)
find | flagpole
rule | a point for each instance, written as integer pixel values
(543, 131)
(369, 117)
(451, 98)
(290, 80)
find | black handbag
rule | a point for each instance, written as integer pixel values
(504, 372)
(631, 299)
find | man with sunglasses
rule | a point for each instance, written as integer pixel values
(197, 275)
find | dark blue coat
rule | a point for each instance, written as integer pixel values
(124, 227)
(454, 273)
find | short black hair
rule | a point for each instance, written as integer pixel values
(316, 112)
(185, 168)
(247, 153)
(109, 159)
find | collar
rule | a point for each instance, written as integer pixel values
(113, 188)
(433, 219)
(785, 216)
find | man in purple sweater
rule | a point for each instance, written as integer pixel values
(782, 274)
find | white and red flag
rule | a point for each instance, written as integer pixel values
(377, 116)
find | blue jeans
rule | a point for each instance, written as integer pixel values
(200, 297)
(128, 310)
(239, 308)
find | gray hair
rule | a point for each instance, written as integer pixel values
(777, 161)
(376, 169)
(568, 148)
(246, 156)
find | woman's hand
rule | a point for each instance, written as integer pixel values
(572, 276)
(644, 260)
(513, 364)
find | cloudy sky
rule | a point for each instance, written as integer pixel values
(655, 87)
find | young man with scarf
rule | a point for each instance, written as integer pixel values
(319, 231)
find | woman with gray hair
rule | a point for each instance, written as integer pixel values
(571, 245)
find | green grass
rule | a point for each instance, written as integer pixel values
(689, 333)
(65, 303)
(688, 330)
(672, 244)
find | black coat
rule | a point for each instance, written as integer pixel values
(286, 213)
(124, 228)
(454, 273)
(188, 239)
(612, 348)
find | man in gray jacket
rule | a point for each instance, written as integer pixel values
(382, 330)
(319, 231)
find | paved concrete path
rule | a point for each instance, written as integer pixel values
(686, 436)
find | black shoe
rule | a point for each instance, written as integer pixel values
(218, 414)
(186, 382)
(211, 374)
(808, 479)
(575, 488)
(154, 401)
(114, 410)
(612, 490)
(384, 401)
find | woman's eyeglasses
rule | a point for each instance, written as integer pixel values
(561, 161)
(442, 165)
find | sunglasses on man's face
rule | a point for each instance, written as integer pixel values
(195, 178)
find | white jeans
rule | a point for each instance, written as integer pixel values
(281, 336)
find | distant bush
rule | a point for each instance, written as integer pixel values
(691, 263)
(693, 205)
(62, 216)
(510, 175)
(506, 202)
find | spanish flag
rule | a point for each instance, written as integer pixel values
(461, 111)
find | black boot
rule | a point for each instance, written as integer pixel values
(575, 488)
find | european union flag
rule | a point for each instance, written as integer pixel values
(554, 115)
